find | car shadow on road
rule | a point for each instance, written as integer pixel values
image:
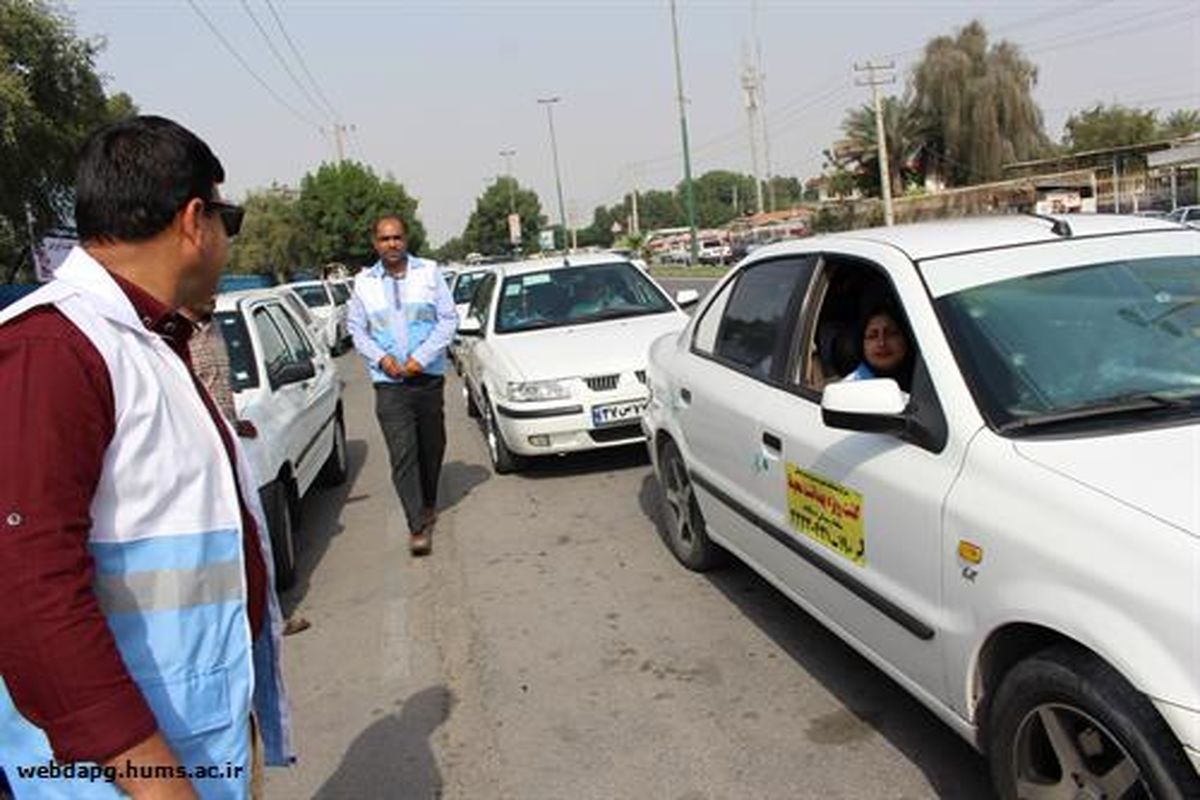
(393, 757)
(320, 514)
(873, 701)
(584, 462)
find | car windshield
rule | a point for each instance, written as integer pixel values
(574, 295)
(464, 287)
(313, 296)
(1091, 345)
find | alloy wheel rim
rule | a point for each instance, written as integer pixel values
(679, 499)
(1063, 753)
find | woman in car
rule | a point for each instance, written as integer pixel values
(885, 348)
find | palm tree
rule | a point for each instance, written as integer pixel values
(976, 105)
(904, 138)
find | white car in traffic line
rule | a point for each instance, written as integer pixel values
(1010, 529)
(555, 351)
(462, 289)
(286, 384)
(327, 302)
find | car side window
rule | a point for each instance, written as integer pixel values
(275, 352)
(299, 343)
(705, 339)
(481, 301)
(756, 326)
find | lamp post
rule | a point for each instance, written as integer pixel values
(507, 155)
(689, 195)
(549, 103)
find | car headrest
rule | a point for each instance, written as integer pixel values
(838, 347)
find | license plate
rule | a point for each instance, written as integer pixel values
(618, 413)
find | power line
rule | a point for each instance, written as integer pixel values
(250, 70)
(279, 57)
(1118, 27)
(300, 60)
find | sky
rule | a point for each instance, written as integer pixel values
(432, 90)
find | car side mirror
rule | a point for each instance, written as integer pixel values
(874, 405)
(687, 297)
(470, 326)
(294, 372)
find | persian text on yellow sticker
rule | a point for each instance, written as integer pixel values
(827, 512)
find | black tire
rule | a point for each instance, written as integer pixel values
(504, 461)
(684, 530)
(1064, 719)
(277, 505)
(335, 470)
(472, 406)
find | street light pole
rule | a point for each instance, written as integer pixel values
(689, 196)
(549, 103)
(507, 155)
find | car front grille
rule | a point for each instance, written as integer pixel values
(602, 383)
(617, 433)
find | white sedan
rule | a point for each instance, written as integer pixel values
(555, 354)
(1009, 524)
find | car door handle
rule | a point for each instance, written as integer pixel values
(772, 442)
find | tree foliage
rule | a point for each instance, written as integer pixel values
(51, 98)
(975, 104)
(858, 152)
(271, 240)
(1180, 123)
(1102, 126)
(337, 210)
(487, 227)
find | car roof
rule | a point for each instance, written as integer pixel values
(926, 240)
(316, 282)
(560, 262)
(228, 301)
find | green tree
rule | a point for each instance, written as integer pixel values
(789, 192)
(272, 237)
(1102, 127)
(722, 196)
(660, 209)
(976, 105)
(858, 152)
(487, 227)
(452, 250)
(1180, 123)
(51, 97)
(338, 207)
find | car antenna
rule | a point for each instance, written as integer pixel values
(1058, 225)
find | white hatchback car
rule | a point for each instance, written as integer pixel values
(327, 302)
(1011, 530)
(286, 384)
(555, 354)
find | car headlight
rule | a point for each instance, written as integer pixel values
(534, 391)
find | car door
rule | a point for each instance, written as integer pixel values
(853, 519)
(474, 348)
(736, 354)
(284, 399)
(314, 425)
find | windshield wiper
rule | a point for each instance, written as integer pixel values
(1112, 408)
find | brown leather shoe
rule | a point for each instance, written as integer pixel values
(421, 544)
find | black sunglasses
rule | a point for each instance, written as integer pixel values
(231, 215)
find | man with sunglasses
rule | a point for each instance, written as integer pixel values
(138, 636)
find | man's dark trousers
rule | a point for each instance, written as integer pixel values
(414, 426)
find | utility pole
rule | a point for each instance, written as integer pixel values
(507, 155)
(549, 103)
(339, 144)
(762, 104)
(635, 226)
(689, 194)
(750, 87)
(885, 179)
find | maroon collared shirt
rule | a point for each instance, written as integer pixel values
(58, 658)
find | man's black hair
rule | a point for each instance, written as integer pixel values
(135, 175)
(386, 218)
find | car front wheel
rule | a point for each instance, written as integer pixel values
(334, 470)
(1065, 724)
(685, 532)
(503, 460)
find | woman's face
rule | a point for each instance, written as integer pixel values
(884, 344)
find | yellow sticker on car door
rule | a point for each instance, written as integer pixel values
(827, 513)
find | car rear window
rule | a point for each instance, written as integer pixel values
(243, 374)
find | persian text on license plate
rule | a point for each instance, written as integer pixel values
(618, 413)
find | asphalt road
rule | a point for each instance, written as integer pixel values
(551, 648)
